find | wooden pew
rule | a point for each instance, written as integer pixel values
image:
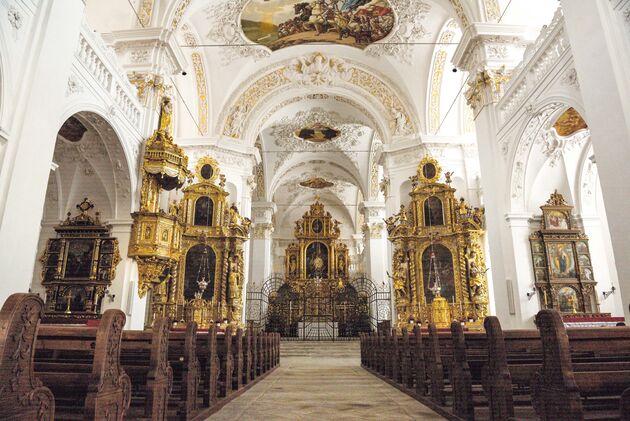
(461, 379)
(435, 369)
(22, 396)
(560, 385)
(182, 355)
(144, 357)
(260, 354)
(237, 358)
(226, 361)
(81, 366)
(247, 355)
(209, 366)
(418, 360)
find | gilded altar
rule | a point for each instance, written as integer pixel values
(438, 266)
(190, 256)
(561, 260)
(317, 254)
(78, 266)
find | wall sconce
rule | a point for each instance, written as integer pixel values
(111, 297)
(607, 294)
(531, 293)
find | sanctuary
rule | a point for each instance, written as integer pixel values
(433, 190)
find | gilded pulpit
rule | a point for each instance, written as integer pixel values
(438, 266)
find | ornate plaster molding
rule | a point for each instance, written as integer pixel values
(312, 72)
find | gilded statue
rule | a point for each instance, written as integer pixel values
(234, 279)
(234, 216)
(166, 112)
(475, 275)
(400, 277)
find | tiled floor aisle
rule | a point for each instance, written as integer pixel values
(323, 381)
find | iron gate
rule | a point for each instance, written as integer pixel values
(320, 314)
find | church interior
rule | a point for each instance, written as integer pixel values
(314, 210)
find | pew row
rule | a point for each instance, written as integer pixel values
(549, 374)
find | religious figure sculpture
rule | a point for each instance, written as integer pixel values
(166, 111)
(234, 279)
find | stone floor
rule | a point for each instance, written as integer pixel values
(323, 381)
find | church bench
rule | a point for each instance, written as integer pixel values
(144, 357)
(558, 390)
(247, 355)
(261, 365)
(226, 362)
(22, 395)
(182, 356)
(81, 366)
(237, 358)
(207, 350)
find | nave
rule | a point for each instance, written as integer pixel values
(323, 381)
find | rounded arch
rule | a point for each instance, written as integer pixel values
(540, 119)
(124, 148)
(318, 72)
(95, 165)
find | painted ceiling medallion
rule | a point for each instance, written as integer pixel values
(316, 183)
(283, 23)
(569, 122)
(317, 133)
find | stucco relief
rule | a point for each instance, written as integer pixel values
(333, 73)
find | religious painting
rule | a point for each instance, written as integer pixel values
(433, 212)
(556, 220)
(561, 259)
(437, 266)
(74, 299)
(317, 226)
(317, 133)
(581, 247)
(568, 300)
(316, 183)
(278, 24)
(584, 260)
(203, 211)
(537, 247)
(587, 274)
(199, 272)
(317, 260)
(79, 258)
(539, 260)
(540, 274)
(341, 266)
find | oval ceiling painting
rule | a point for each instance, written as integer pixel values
(282, 23)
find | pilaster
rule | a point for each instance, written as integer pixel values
(261, 242)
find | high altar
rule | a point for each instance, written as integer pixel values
(438, 261)
(317, 255)
(190, 258)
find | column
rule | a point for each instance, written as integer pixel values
(488, 73)
(375, 241)
(261, 258)
(598, 33)
(123, 292)
(29, 150)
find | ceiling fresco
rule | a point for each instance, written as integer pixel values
(278, 24)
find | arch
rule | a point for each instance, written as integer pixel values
(98, 154)
(204, 212)
(343, 75)
(443, 265)
(124, 145)
(545, 114)
(200, 264)
(433, 211)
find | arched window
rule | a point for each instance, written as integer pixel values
(200, 264)
(204, 209)
(433, 212)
